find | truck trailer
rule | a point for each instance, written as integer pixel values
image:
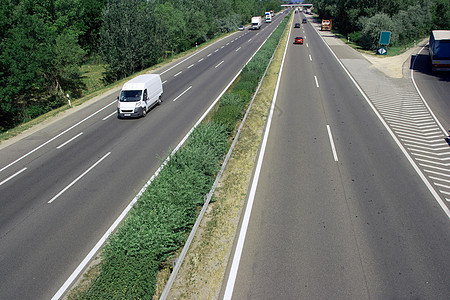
(439, 50)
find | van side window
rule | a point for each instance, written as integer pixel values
(145, 95)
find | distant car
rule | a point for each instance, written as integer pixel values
(304, 21)
(297, 25)
(298, 40)
(242, 27)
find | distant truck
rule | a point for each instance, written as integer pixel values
(439, 50)
(139, 95)
(268, 17)
(256, 23)
(326, 25)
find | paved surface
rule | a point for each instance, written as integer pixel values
(387, 83)
(364, 226)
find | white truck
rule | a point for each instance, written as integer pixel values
(139, 95)
(256, 23)
(268, 17)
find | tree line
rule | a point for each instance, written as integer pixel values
(362, 20)
(45, 42)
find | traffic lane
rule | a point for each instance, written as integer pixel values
(72, 196)
(400, 230)
(434, 86)
(232, 41)
(299, 235)
(47, 183)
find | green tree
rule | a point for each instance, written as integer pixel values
(125, 37)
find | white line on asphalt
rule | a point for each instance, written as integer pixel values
(307, 45)
(249, 40)
(201, 59)
(12, 176)
(310, 58)
(238, 49)
(78, 178)
(164, 81)
(222, 47)
(427, 183)
(219, 64)
(246, 219)
(119, 219)
(190, 66)
(55, 137)
(63, 144)
(182, 93)
(440, 179)
(421, 96)
(110, 115)
(317, 82)
(209, 55)
(177, 74)
(216, 50)
(333, 148)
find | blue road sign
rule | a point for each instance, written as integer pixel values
(385, 37)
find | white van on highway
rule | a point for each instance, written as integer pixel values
(139, 95)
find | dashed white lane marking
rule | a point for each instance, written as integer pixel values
(219, 64)
(70, 140)
(177, 74)
(182, 93)
(79, 177)
(12, 176)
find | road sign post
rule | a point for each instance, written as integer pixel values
(385, 38)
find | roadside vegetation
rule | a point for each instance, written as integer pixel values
(47, 46)
(159, 223)
(362, 21)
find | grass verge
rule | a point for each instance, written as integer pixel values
(203, 270)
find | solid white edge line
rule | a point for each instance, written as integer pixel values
(12, 176)
(78, 178)
(240, 244)
(62, 290)
(421, 96)
(182, 94)
(333, 148)
(195, 53)
(55, 137)
(396, 140)
(65, 143)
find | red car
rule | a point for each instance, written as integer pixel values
(298, 40)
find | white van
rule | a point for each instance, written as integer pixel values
(139, 95)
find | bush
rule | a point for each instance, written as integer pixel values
(232, 99)
(371, 28)
(227, 116)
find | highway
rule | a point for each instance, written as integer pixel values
(64, 185)
(339, 211)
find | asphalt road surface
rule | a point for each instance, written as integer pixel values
(63, 186)
(339, 212)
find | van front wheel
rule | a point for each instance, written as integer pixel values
(144, 112)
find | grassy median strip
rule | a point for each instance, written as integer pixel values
(203, 271)
(159, 223)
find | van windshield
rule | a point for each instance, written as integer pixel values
(130, 96)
